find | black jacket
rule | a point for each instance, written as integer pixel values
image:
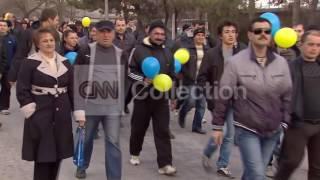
(189, 70)
(24, 49)
(212, 67)
(3, 57)
(297, 113)
(127, 44)
(147, 49)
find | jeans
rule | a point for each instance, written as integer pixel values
(111, 127)
(255, 152)
(227, 144)
(197, 99)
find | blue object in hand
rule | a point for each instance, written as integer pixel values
(150, 67)
(78, 157)
(71, 56)
(177, 66)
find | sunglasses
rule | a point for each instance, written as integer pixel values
(260, 31)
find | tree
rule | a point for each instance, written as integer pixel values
(313, 11)
(296, 11)
(27, 7)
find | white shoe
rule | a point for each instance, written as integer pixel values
(204, 121)
(134, 160)
(270, 172)
(5, 112)
(168, 170)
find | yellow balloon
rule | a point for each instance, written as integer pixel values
(286, 37)
(182, 55)
(86, 21)
(162, 82)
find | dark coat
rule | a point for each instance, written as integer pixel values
(212, 67)
(9, 45)
(147, 49)
(3, 58)
(297, 111)
(47, 133)
(189, 70)
(24, 49)
(127, 44)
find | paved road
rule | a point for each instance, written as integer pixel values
(187, 148)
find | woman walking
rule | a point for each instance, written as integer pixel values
(44, 91)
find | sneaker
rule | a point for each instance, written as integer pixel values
(206, 163)
(81, 174)
(269, 172)
(168, 170)
(5, 112)
(135, 160)
(176, 112)
(204, 121)
(225, 172)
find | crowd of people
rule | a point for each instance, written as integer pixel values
(262, 98)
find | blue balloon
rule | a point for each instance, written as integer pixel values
(274, 20)
(177, 66)
(150, 67)
(71, 56)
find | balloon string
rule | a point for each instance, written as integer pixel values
(140, 92)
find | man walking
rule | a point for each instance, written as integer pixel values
(125, 41)
(100, 65)
(211, 71)
(257, 81)
(8, 45)
(49, 19)
(150, 103)
(305, 129)
(190, 72)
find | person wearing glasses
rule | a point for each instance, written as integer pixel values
(257, 82)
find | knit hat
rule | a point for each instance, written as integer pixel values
(156, 24)
(199, 30)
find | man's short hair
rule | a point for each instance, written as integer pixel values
(309, 33)
(257, 20)
(120, 19)
(226, 24)
(49, 13)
